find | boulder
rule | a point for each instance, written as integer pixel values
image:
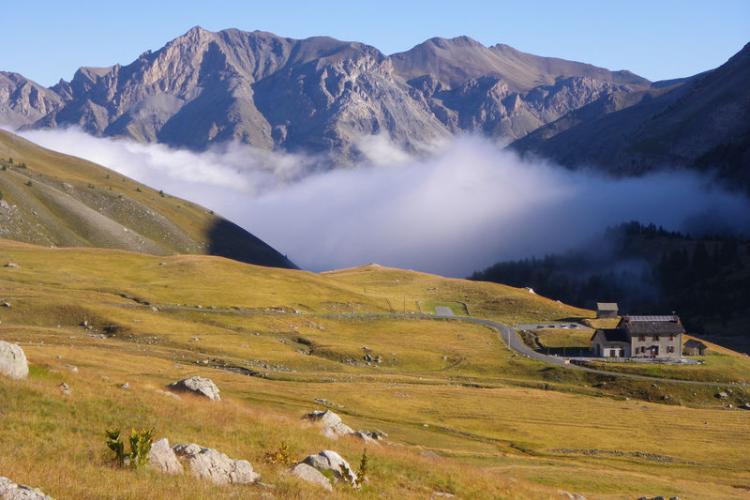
(12, 265)
(198, 385)
(311, 475)
(13, 362)
(721, 395)
(65, 389)
(328, 460)
(333, 426)
(12, 491)
(215, 466)
(163, 459)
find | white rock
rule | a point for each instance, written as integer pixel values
(311, 475)
(13, 362)
(215, 466)
(198, 385)
(333, 426)
(163, 458)
(12, 491)
(328, 460)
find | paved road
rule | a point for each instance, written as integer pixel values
(514, 341)
(509, 336)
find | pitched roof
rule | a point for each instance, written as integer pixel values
(614, 335)
(652, 325)
(607, 306)
(694, 343)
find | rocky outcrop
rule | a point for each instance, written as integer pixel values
(312, 475)
(200, 386)
(332, 425)
(163, 458)
(330, 462)
(13, 362)
(215, 466)
(12, 491)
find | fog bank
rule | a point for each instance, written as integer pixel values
(467, 205)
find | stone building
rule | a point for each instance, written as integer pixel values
(655, 337)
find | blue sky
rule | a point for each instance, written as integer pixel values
(48, 40)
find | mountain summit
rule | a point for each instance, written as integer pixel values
(318, 94)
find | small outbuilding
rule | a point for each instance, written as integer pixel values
(694, 347)
(610, 343)
(607, 310)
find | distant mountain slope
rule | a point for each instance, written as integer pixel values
(702, 122)
(52, 199)
(23, 101)
(320, 94)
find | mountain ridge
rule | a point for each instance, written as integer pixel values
(320, 94)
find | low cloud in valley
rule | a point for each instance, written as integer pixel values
(461, 208)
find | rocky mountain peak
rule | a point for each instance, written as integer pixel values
(318, 93)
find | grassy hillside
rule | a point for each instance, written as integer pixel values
(464, 415)
(57, 200)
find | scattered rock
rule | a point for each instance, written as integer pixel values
(370, 436)
(571, 496)
(333, 426)
(721, 395)
(65, 389)
(13, 362)
(331, 461)
(198, 385)
(215, 466)
(71, 368)
(12, 265)
(6, 305)
(162, 458)
(12, 491)
(125, 386)
(312, 475)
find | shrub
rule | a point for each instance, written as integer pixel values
(281, 456)
(363, 468)
(140, 446)
(161, 193)
(29, 183)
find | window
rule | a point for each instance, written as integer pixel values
(642, 338)
(655, 338)
(671, 338)
(670, 348)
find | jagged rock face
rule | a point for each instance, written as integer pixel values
(23, 102)
(321, 94)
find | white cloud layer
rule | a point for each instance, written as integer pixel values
(462, 208)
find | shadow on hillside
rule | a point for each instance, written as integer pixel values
(229, 240)
(565, 351)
